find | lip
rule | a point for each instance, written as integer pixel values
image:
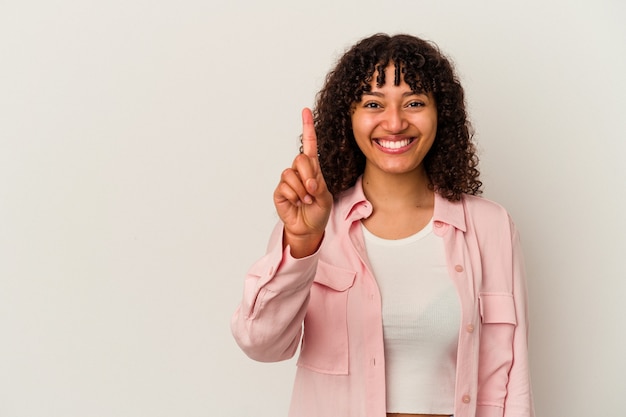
(394, 144)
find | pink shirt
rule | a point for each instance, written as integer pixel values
(329, 304)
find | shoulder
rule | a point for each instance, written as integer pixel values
(486, 216)
(480, 207)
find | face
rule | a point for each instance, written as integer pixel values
(394, 127)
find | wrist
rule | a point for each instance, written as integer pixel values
(301, 246)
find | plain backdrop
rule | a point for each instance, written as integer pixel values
(141, 140)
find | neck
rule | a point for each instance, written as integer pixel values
(397, 191)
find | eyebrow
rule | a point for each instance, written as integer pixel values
(406, 94)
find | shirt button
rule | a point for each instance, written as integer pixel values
(458, 268)
(438, 224)
(470, 328)
(466, 399)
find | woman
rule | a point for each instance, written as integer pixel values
(404, 289)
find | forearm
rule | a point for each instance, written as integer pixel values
(267, 325)
(519, 400)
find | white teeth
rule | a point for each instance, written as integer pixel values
(393, 144)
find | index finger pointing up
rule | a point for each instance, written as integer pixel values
(309, 139)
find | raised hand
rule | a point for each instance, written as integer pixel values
(301, 198)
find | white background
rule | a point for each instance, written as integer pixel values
(140, 141)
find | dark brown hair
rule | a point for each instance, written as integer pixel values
(451, 163)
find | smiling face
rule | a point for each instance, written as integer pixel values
(394, 127)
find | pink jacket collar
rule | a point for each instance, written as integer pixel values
(355, 206)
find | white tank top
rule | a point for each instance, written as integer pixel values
(421, 319)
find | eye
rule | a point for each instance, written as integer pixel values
(416, 103)
(371, 105)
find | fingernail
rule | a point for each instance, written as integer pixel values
(308, 199)
(312, 184)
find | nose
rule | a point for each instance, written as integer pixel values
(394, 120)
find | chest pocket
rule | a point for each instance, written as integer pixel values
(325, 341)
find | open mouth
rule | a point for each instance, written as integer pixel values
(394, 144)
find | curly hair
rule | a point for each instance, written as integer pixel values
(451, 164)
